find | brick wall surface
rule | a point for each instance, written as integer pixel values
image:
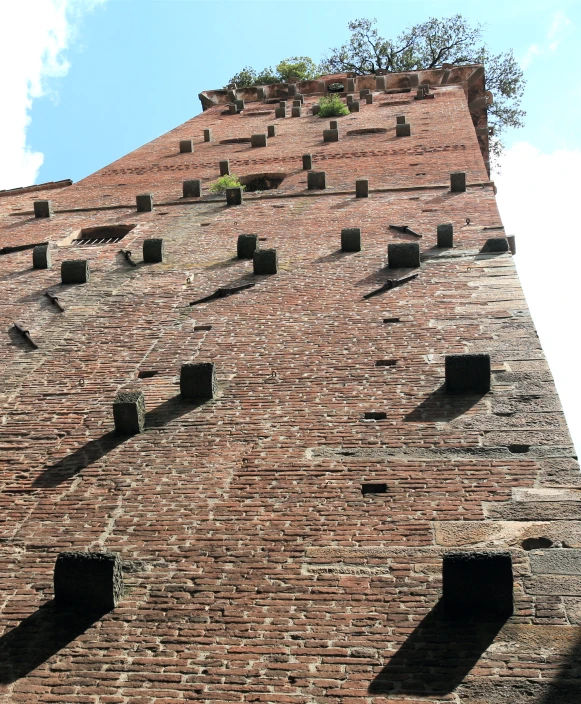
(255, 568)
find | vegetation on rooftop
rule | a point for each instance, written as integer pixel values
(332, 106)
(228, 181)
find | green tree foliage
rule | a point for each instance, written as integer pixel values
(228, 181)
(291, 70)
(429, 45)
(332, 106)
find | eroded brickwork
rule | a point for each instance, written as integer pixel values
(255, 568)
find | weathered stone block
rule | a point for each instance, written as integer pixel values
(271, 130)
(265, 261)
(446, 235)
(280, 112)
(186, 145)
(362, 188)
(369, 99)
(420, 93)
(511, 239)
(232, 109)
(496, 244)
(91, 581)
(153, 250)
(467, 373)
(198, 380)
(307, 162)
(349, 100)
(129, 412)
(282, 104)
(193, 188)
(231, 96)
(297, 103)
(403, 129)
(234, 196)
(379, 82)
(330, 135)
(363, 93)
(41, 257)
(296, 112)
(351, 239)
(246, 246)
(316, 109)
(43, 209)
(477, 586)
(333, 125)
(225, 167)
(400, 119)
(316, 179)
(350, 85)
(239, 105)
(260, 93)
(301, 97)
(458, 181)
(354, 106)
(207, 135)
(258, 140)
(144, 202)
(292, 89)
(75, 271)
(403, 255)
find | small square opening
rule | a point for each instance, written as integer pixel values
(375, 488)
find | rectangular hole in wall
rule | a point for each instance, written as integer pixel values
(147, 373)
(105, 234)
(200, 328)
(391, 320)
(385, 362)
(375, 415)
(373, 488)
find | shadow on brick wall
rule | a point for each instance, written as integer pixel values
(39, 637)
(440, 406)
(436, 657)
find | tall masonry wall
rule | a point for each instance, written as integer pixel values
(259, 564)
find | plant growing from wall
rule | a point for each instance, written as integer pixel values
(228, 181)
(332, 106)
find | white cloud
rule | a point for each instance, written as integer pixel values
(34, 35)
(537, 197)
(559, 29)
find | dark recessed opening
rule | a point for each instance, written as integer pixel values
(385, 362)
(236, 140)
(335, 88)
(147, 373)
(262, 239)
(367, 130)
(261, 182)
(391, 320)
(200, 328)
(375, 415)
(373, 489)
(518, 449)
(105, 234)
(536, 543)
(421, 174)
(257, 112)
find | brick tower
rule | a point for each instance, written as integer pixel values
(291, 444)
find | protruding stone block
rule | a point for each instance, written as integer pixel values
(232, 109)
(307, 162)
(446, 235)
(350, 85)
(296, 112)
(496, 244)
(511, 239)
(351, 239)
(207, 135)
(265, 261)
(75, 271)
(225, 167)
(362, 188)
(297, 102)
(458, 181)
(239, 105)
(403, 255)
(301, 97)
(247, 245)
(349, 100)
(316, 109)
(198, 380)
(129, 412)
(260, 93)
(186, 145)
(426, 87)
(400, 120)
(354, 106)
(379, 82)
(467, 373)
(234, 196)
(41, 257)
(88, 581)
(316, 179)
(144, 202)
(330, 135)
(282, 104)
(153, 250)
(43, 209)
(403, 129)
(280, 112)
(363, 93)
(420, 93)
(193, 188)
(232, 96)
(369, 98)
(271, 130)
(258, 140)
(477, 586)
(292, 89)
(333, 125)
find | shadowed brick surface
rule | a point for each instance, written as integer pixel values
(255, 568)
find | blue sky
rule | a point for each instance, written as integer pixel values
(90, 80)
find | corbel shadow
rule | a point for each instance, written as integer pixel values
(40, 636)
(436, 657)
(442, 407)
